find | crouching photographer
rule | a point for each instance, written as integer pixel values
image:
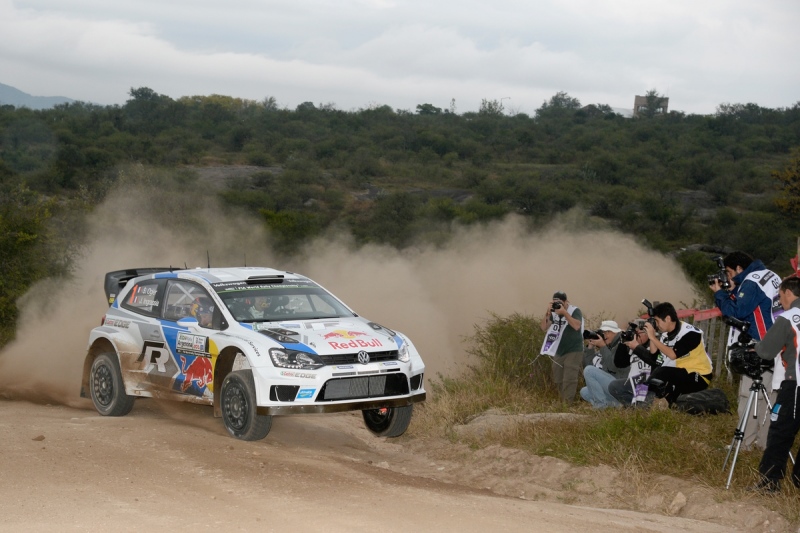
(782, 339)
(687, 367)
(634, 352)
(602, 370)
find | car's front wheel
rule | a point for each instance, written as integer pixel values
(238, 403)
(106, 387)
(388, 421)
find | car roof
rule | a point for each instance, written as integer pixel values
(219, 275)
(116, 280)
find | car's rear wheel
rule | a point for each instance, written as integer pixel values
(106, 387)
(238, 404)
(388, 421)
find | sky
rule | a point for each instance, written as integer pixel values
(358, 54)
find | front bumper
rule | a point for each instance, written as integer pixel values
(357, 405)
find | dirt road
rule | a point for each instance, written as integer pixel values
(173, 467)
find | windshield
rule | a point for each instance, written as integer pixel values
(281, 302)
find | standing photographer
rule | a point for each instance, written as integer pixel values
(782, 339)
(687, 367)
(563, 342)
(753, 296)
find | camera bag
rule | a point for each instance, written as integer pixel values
(709, 401)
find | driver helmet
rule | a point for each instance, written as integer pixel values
(201, 306)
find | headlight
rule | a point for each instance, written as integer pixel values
(402, 353)
(293, 359)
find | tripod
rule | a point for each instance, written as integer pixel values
(752, 401)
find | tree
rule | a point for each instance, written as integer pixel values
(27, 250)
(654, 104)
(428, 109)
(559, 104)
(491, 107)
(788, 199)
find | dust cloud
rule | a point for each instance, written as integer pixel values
(435, 295)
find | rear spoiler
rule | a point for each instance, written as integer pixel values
(116, 280)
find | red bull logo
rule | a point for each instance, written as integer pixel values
(355, 343)
(198, 371)
(343, 334)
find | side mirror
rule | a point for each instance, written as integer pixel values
(189, 322)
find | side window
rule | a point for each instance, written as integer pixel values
(180, 298)
(185, 299)
(145, 297)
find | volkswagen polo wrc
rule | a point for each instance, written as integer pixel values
(252, 343)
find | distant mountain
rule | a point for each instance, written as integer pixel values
(11, 96)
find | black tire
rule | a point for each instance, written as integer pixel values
(238, 404)
(106, 387)
(388, 421)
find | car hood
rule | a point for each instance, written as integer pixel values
(331, 336)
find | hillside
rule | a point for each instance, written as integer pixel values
(12, 96)
(686, 185)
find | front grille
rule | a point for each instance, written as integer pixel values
(364, 387)
(352, 358)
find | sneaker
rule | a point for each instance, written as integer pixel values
(766, 487)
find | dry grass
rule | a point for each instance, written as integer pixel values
(641, 444)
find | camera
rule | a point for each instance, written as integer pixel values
(651, 317)
(555, 305)
(629, 334)
(592, 335)
(742, 358)
(721, 275)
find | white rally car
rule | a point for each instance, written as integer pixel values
(252, 342)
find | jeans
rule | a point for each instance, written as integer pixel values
(596, 390)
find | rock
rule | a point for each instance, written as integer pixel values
(678, 503)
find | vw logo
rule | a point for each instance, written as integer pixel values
(363, 357)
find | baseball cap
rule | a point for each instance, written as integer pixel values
(560, 295)
(609, 325)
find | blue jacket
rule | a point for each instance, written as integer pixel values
(748, 301)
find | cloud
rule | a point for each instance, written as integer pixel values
(403, 53)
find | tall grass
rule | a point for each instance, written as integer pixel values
(505, 374)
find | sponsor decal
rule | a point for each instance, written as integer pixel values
(390, 363)
(117, 323)
(355, 343)
(343, 334)
(154, 355)
(191, 344)
(290, 374)
(198, 371)
(344, 367)
(305, 393)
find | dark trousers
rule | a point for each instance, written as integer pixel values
(782, 431)
(678, 381)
